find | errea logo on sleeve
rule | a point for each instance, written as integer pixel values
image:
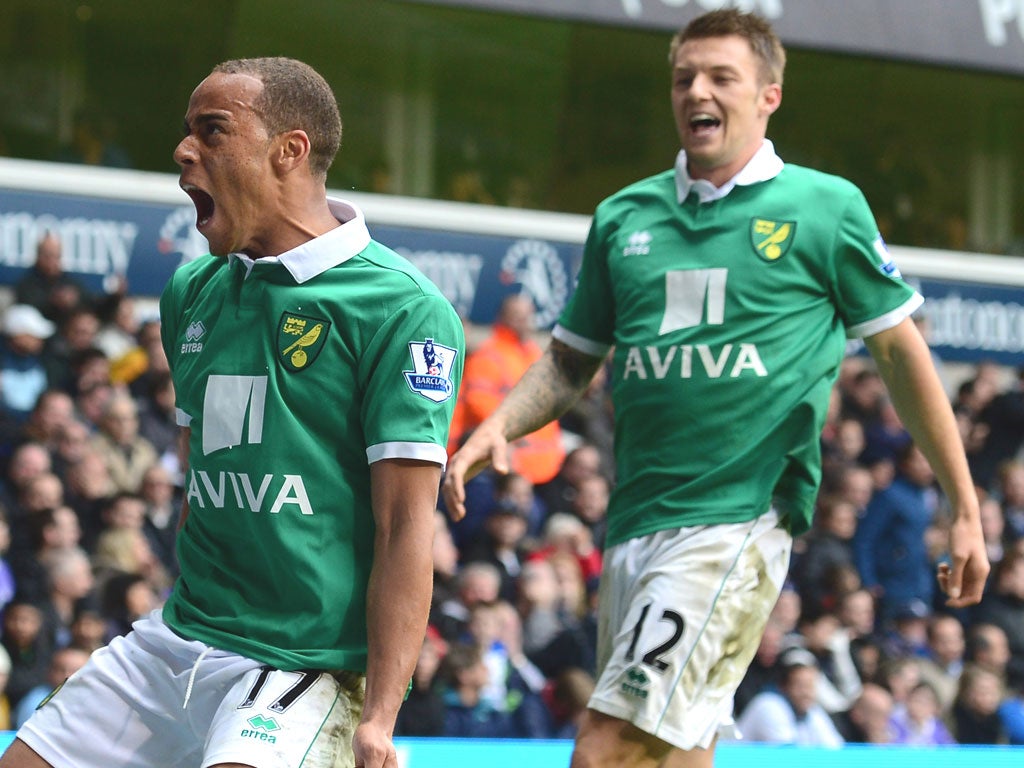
(432, 370)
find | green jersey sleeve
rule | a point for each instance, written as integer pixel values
(411, 373)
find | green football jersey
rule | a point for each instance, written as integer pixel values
(294, 375)
(728, 320)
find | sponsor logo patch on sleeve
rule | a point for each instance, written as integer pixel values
(888, 266)
(432, 369)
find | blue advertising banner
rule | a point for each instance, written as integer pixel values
(970, 322)
(103, 240)
(106, 240)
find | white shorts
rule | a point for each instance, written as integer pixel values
(155, 700)
(681, 614)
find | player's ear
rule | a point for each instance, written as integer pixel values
(771, 98)
(291, 150)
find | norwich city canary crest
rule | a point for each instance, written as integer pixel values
(300, 339)
(771, 239)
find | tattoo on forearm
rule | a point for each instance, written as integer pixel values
(548, 388)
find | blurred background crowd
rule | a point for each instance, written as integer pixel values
(860, 647)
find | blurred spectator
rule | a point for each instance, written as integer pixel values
(869, 719)
(89, 488)
(1011, 716)
(467, 714)
(849, 442)
(125, 597)
(900, 675)
(156, 418)
(591, 506)
(856, 613)
(28, 461)
(791, 715)
(7, 583)
(564, 532)
(944, 662)
(156, 359)
(46, 531)
(993, 529)
(53, 411)
(567, 701)
(539, 602)
(906, 632)
(497, 631)
(72, 443)
(121, 550)
(863, 394)
(28, 647)
(838, 683)
(918, 723)
(1003, 605)
(118, 333)
(786, 612)
(885, 438)
(44, 491)
(72, 351)
(422, 712)
(46, 286)
(762, 674)
(558, 494)
(503, 544)
(23, 373)
(91, 402)
(823, 551)
(1010, 492)
(162, 500)
(1003, 418)
(857, 487)
(447, 613)
(976, 708)
(566, 635)
(63, 664)
(889, 544)
(490, 372)
(988, 647)
(88, 629)
(70, 579)
(127, 454)
(474, 583)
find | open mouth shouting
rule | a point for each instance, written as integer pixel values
(704, 124)
(203, 203)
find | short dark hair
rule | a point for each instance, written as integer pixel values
(762, 38)
(295, 96)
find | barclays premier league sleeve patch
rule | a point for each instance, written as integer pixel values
(432, 370)
(888, 266)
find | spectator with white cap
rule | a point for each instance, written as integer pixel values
(23, 375)
(791, 715)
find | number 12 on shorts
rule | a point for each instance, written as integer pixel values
(652, 658)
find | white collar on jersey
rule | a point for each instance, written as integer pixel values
(764, 165)
(321, 253)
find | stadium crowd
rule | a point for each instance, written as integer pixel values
(860, 647)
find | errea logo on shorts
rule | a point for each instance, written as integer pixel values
(636, 680)
(260, 728)
(195, 331)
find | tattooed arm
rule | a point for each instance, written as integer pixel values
(545, 392)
